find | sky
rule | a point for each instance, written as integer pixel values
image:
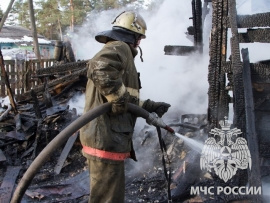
(4, 4)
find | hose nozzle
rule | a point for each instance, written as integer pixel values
(153, 119)
(169, 129)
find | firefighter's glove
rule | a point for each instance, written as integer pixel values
(154, 120)
(119, 106)
(160, 108)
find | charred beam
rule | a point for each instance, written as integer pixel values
(255, 35)
(36, 104)
(237, 69)
(62, 68)
(179, 50)
(255, 20)
(197, 24)
(46, 95)
(260, 72)
(224, 98)
(217, 105)
(65, 80)
(255, 173)
(184, 177)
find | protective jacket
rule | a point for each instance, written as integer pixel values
(111, 72)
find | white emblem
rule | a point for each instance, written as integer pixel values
(225, 152)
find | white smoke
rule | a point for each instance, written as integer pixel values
(178, 80)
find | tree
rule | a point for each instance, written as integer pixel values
(48, 16)
(54, 16)
(74, 12)
(20, 11)
(1, 12)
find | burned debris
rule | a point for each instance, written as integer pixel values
(66, 168)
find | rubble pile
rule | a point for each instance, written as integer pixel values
(64, 177)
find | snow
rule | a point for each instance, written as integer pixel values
(23, 39)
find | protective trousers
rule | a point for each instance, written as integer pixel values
(107, 182)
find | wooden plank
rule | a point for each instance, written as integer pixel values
(2, 85)
(8, 183)
(19, 74)
(254, 173)
(65, 153)
(12, 77)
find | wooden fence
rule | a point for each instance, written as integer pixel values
(19, 74)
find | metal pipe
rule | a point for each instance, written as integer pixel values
(60, 139)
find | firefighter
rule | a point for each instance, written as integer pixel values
(112, 77)
(63, 52)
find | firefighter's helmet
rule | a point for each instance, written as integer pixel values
(132, 21)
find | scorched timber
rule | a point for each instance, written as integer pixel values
(62, 68)
(63, 81)
(255, 35)
(256, 20)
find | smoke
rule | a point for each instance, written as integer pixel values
(178, 80)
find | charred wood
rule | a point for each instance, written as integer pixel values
(252, 139)
(186, 176)
(262, 69)
(255, 35)
(62, 68)
(197, 24)
(239, 102)
(46, 95)
(36, 104)
(37, 138)
(217, 107)
(63, 81)
(255, 20)
(65, 92)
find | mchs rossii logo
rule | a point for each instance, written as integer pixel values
(225, 152)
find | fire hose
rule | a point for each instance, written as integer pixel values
(62, 137)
